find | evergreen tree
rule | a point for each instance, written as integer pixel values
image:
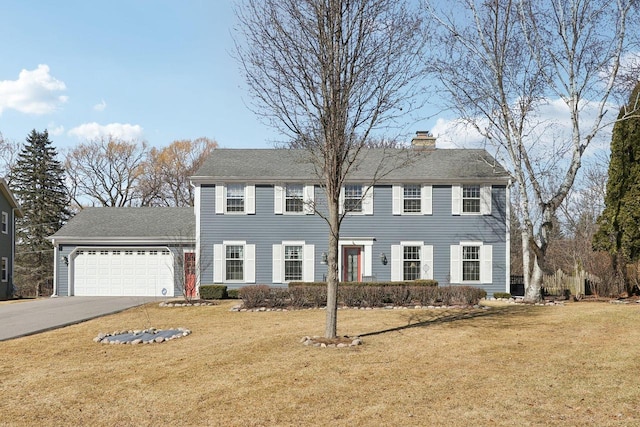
(619, 224)
(38, 183)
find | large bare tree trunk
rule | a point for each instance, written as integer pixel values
(331, 327)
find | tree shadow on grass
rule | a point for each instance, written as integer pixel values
(421, 319)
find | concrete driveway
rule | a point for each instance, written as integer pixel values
(31, 317)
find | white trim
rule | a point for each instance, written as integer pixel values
(485, 199)
(426, 258)
(367, 253)
(398, 197)
(367, 200)
(309, 199)
(249, 199)
(277, 263)
(426, 194)
(221, 193)
(396, 263)
(218, 263)
(486, 264)
(508, 238)
(197, 194)
(456, 199)
(308, 263)
(55, 269)
(278, 199)
(455, 264)
(250, 263)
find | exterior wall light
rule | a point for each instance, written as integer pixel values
(323, 259)
(383, 259)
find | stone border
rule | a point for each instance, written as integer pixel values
(163, 335)
(313, 341)
(185, 304)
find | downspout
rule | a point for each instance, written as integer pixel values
(508, 237)
(196, 211)
(55, 269)
(13, 248)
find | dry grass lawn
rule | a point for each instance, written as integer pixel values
(521, 366)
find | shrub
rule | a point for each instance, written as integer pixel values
(254, 296)
(424, 295)
(422, 282)
(398, 295)
(213, 291)
(501, 295)
(278, 298)
(232, 294)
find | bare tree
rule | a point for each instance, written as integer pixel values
(167, 171)
(329, 74)
(9, 151)
(106, 172)
(502, 62)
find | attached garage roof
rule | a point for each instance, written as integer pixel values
(133, 224)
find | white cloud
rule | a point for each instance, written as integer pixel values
(55, 130)
(100, 106)
(89, 131)
(35, 92)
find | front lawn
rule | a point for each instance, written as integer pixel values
(514, 365)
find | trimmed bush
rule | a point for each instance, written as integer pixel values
(213, 291)
(232, 294)
(501, 295)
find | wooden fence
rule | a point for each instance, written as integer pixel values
(560, 282)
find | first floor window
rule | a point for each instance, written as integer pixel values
(353, 198)
(234, 262)
(411, 262)
(5, 269)
(471, 263)
(412, 198)
(292, 263)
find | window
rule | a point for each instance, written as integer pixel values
(5, 223)
(292, 263)
(471, 199)
(5, 269)
(91, 252)
(412, 199)
(141, 252)
(234, 263)
(294, 202)
(128, 252)
(116, 252)
(235, 198)
(411, 263)
(470, 263)
(104, 252)
(153, 252)
(353, 198)
(165, 252)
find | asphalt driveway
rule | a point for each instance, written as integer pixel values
(31, 317)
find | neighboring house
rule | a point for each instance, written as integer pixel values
(9, 210)
(125, 251)
(444, 216)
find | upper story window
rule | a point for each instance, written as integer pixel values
(235, 198)
(353, 198)
(5, 222)
(471, 199)
(412, 199)
(294, 202)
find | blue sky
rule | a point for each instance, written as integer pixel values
(154, 70)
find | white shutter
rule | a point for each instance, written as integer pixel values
(309, 199)
(427, 196)
(367, 200)
(341, 202)
(396, 263)
(485, 200)
(456, 199)
(426, 256)
(250, 263)
(398, 193)
(455, 271)
(278, 199)
(220, 190)
(486, 264)
(308, 266)
(277, 263)
(218, 263)
(250, 199)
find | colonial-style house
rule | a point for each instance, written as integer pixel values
(10, 210)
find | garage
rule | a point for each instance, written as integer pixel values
(123, 272)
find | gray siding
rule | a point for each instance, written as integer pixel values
(6, 248)
(441, 229)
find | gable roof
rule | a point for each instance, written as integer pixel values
(6, 192)
(131, 224)
(402, 165)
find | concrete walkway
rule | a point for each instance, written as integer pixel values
(31, 317)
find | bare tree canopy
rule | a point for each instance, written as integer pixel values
(106, 172)
(167, 171)
(503, 63)
(329, 74)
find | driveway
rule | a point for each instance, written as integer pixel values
(31, 317)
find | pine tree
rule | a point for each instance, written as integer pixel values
(38, 183)
(619, 224)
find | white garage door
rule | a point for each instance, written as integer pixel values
(123, 272)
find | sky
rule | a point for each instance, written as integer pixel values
(153, 70)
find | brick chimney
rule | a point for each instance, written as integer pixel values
(424, 140)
